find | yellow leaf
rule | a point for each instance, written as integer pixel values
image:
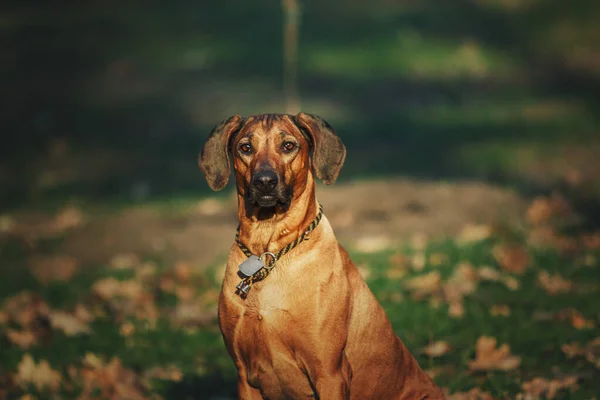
(548, 389)
(490, 358)
(436, 349)
(68, 323)
(500, 310)
(512, 258)
(24, 339)
(41, 375)
(554, 284)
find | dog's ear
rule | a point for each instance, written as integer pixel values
(329, 152)
(214, 157)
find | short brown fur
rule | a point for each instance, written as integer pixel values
(312, 328)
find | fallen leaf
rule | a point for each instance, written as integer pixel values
(500, 310)
(127, 329)
(183, 271)
(437, 259)
(548, 389)
(472, 233)
(424, 285)
(418, 261)
(373, 244)
(53, 268)
(436, 349)
(591, 241)
(193, 314)
(168, 373)
(67, 218)
(109, 380)
(490, 358)
(26, 308)
(456, 309)
(553, 284)
(511, 282)
(591, 351)
(40, 375)
(511, 258)
(68, 323)
(473, 394)
(22, 338)
(185, 292)
(543, 209)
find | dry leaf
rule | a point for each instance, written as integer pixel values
(473, 394)
(512, 258)
(554, 284)
(424, 285)
(193, 314)
(591, 352)
(127, 329)
(53, 268)
(22, 338)
(398, 266)
(500, 310)
(109, 380)
(169, 373)
(435, 260)
(418, 261)
(456, 309)
(185, 292)
(436, 349)
(490, 358)
(183, 271)
(41, 375)
(373, 244)
(67, 218)
(474, 233)
(25, 309)
(548, 389)
(543, 209)
(68, 323)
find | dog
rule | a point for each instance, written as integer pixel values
(296, 316)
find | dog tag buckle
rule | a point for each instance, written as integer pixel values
(251, 266)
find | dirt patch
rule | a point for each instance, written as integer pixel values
(392, 209)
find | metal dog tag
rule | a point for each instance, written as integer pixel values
(251, 266)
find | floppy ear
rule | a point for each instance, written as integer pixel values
(214, 157)
(329, 152)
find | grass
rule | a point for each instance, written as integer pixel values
(120, 327)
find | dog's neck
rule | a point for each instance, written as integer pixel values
(262, 232)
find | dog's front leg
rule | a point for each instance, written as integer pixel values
(247, 392)
(333, 381)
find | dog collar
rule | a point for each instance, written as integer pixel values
(255, 267)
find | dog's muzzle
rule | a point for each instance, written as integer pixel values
(266, 190)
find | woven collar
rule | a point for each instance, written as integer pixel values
(264, 272)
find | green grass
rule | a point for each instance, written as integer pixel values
(198, 352)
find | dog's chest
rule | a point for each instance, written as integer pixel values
(265, 336)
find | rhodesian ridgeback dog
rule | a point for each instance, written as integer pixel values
(296, 315)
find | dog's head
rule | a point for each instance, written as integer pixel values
(272, 155)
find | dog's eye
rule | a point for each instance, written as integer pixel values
(288, 146)
(246, 148)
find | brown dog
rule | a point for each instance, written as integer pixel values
(309, 327)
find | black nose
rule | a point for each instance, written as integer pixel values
(265, 180)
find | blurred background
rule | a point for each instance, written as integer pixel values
(470, 114)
